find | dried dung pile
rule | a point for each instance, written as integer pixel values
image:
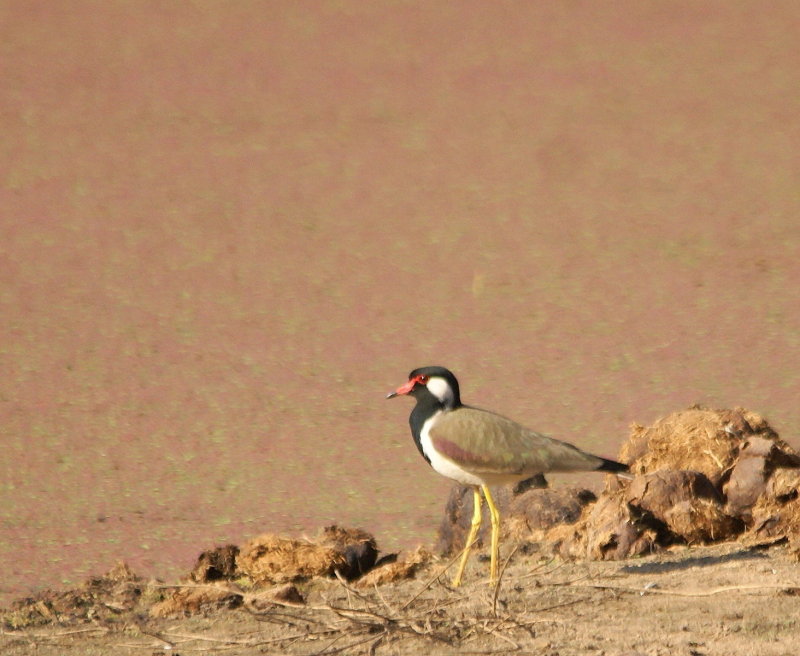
(197, 600)
(260, 573)
(359, 548)
(98, 599)
(776, 514)
(274, 559)
(216, 564)
(270, 558)
(701, 476)
(393, 568)
(686, 502)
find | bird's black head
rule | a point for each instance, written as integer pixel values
(436, 382)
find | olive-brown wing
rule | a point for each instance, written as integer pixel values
(483, 442)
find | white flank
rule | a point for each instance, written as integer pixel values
(444, 466)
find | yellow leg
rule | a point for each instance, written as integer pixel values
(473, 532)
(495, 515)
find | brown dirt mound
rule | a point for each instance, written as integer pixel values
(221, 579)
(609, 529)
(359, 548)
(686, 502)
(275, 559)
(776, 514)
(216, 564)
(759, 460)
(269, 558)
(543, 509)
(702, 476)
(98, 598)
(697, 439)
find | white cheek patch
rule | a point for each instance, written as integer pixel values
(441, 389)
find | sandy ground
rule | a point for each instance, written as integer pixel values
(690, 602)
(227, 231)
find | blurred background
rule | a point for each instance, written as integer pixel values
(227, 230)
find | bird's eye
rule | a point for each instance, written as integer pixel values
(423, 379)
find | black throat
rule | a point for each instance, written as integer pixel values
(427, 406)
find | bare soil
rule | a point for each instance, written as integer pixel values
(709, 601)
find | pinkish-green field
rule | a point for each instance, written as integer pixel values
(228, 229)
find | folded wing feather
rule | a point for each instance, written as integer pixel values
(483, 442)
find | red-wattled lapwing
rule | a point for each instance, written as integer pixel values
(479, 448)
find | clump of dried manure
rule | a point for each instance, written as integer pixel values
(701, 476)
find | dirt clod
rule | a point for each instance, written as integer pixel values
(216, 564)
(696, 439)
(612, 529)
(201, 599)
(686, 502)
(397, 569)
(358, 547)
(270, 558)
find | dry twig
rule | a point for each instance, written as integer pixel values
(691, 593)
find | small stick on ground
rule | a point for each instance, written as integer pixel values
(690, 593)
(430, 581)
(500, 578)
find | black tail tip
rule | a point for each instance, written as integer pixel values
(613, 467)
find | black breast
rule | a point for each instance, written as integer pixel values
(426, 407)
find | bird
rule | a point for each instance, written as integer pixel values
(479, 448)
